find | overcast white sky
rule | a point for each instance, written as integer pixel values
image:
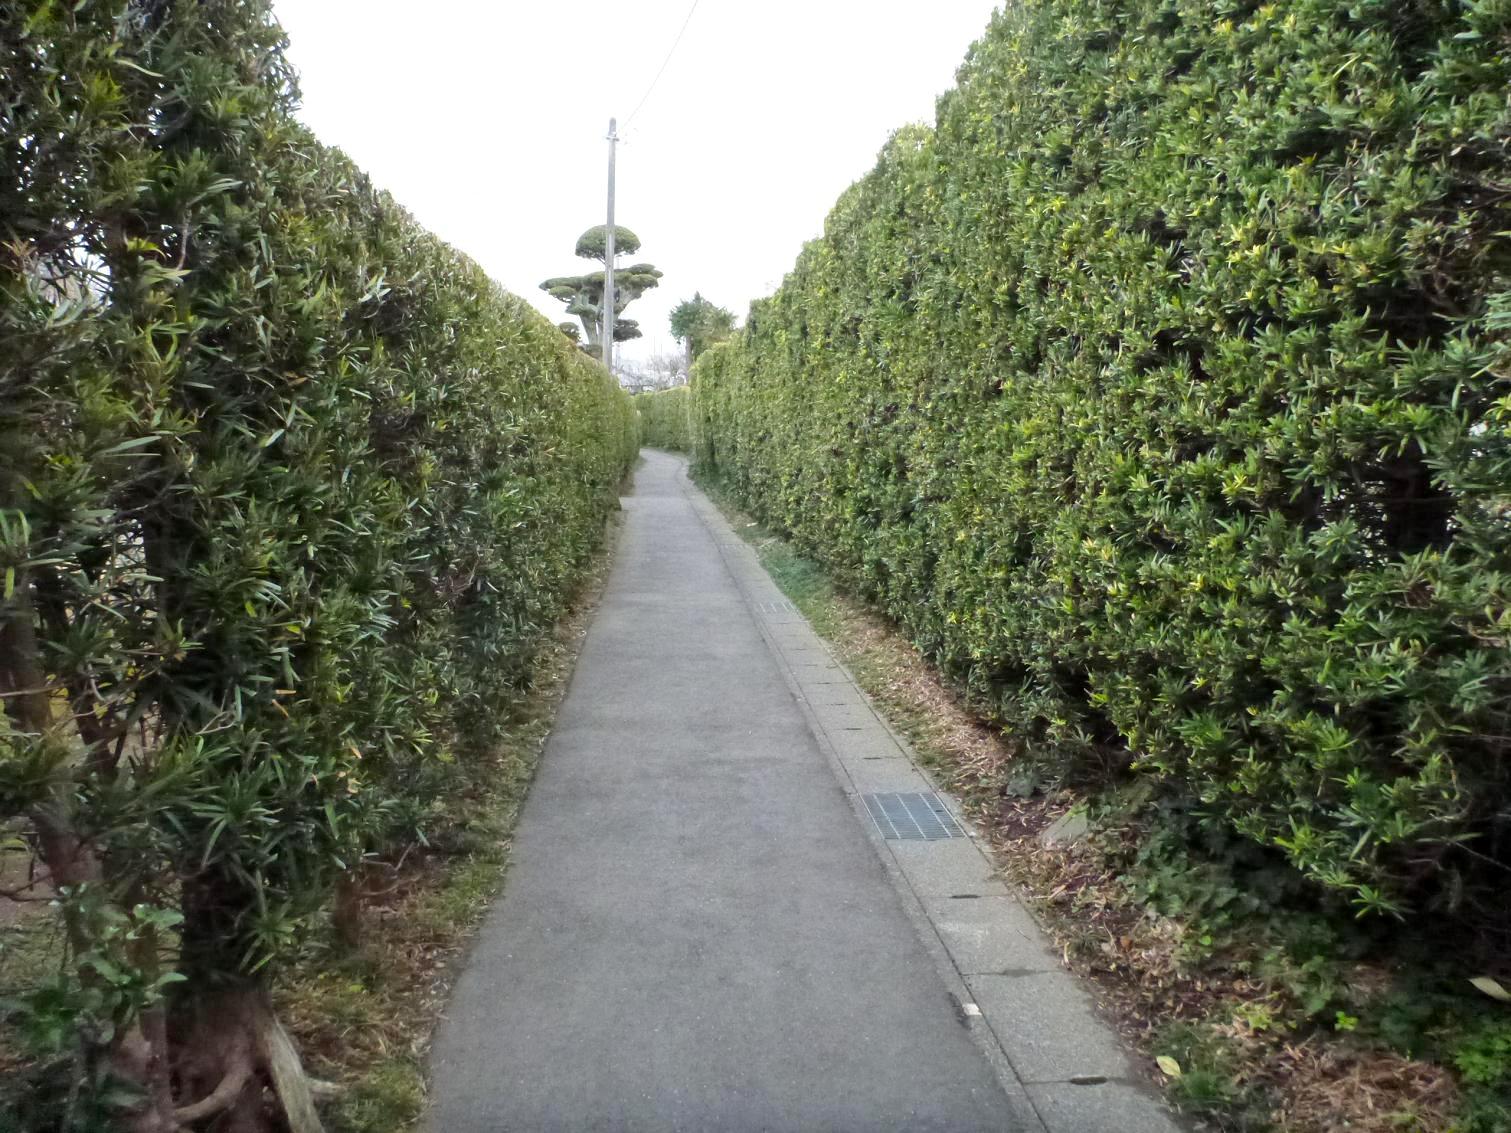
(486, 118)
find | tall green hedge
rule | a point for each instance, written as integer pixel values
(1162, 392)
(664, 419)
(289, 493)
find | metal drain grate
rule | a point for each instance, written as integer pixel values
(916, 816)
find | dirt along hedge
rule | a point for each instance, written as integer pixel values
(289, 492)
(664, 420)
(1162, 393)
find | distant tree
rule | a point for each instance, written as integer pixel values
(659, 371)
(583, 294)
(699, 324)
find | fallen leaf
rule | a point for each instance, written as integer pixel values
(1168, 1065)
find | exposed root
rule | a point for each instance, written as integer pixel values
(223, 1096)
(238, 1044)
(287, 1073)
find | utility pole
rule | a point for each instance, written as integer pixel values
(608, 263)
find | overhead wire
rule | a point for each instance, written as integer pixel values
(670, 52)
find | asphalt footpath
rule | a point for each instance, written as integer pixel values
(697, 931)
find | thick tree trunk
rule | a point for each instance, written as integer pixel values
(234, 1054)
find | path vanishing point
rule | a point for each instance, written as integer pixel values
(703, 927)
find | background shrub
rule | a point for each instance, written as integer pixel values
(1161, 393)
(664, 420)
(289, 491)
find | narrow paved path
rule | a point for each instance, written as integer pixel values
(695, 933)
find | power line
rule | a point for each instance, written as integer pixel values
(664, 62)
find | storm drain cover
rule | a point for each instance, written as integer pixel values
(916, 816)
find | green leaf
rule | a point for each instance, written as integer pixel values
(127, 446)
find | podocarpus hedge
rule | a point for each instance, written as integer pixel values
(664, 420)
(289, 492)
(1162, 392)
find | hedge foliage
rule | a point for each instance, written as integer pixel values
(664, 419)
(1162, 392)
(289, 493)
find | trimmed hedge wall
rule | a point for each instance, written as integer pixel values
(290, 491)
(1162, 393)
(664, 420)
